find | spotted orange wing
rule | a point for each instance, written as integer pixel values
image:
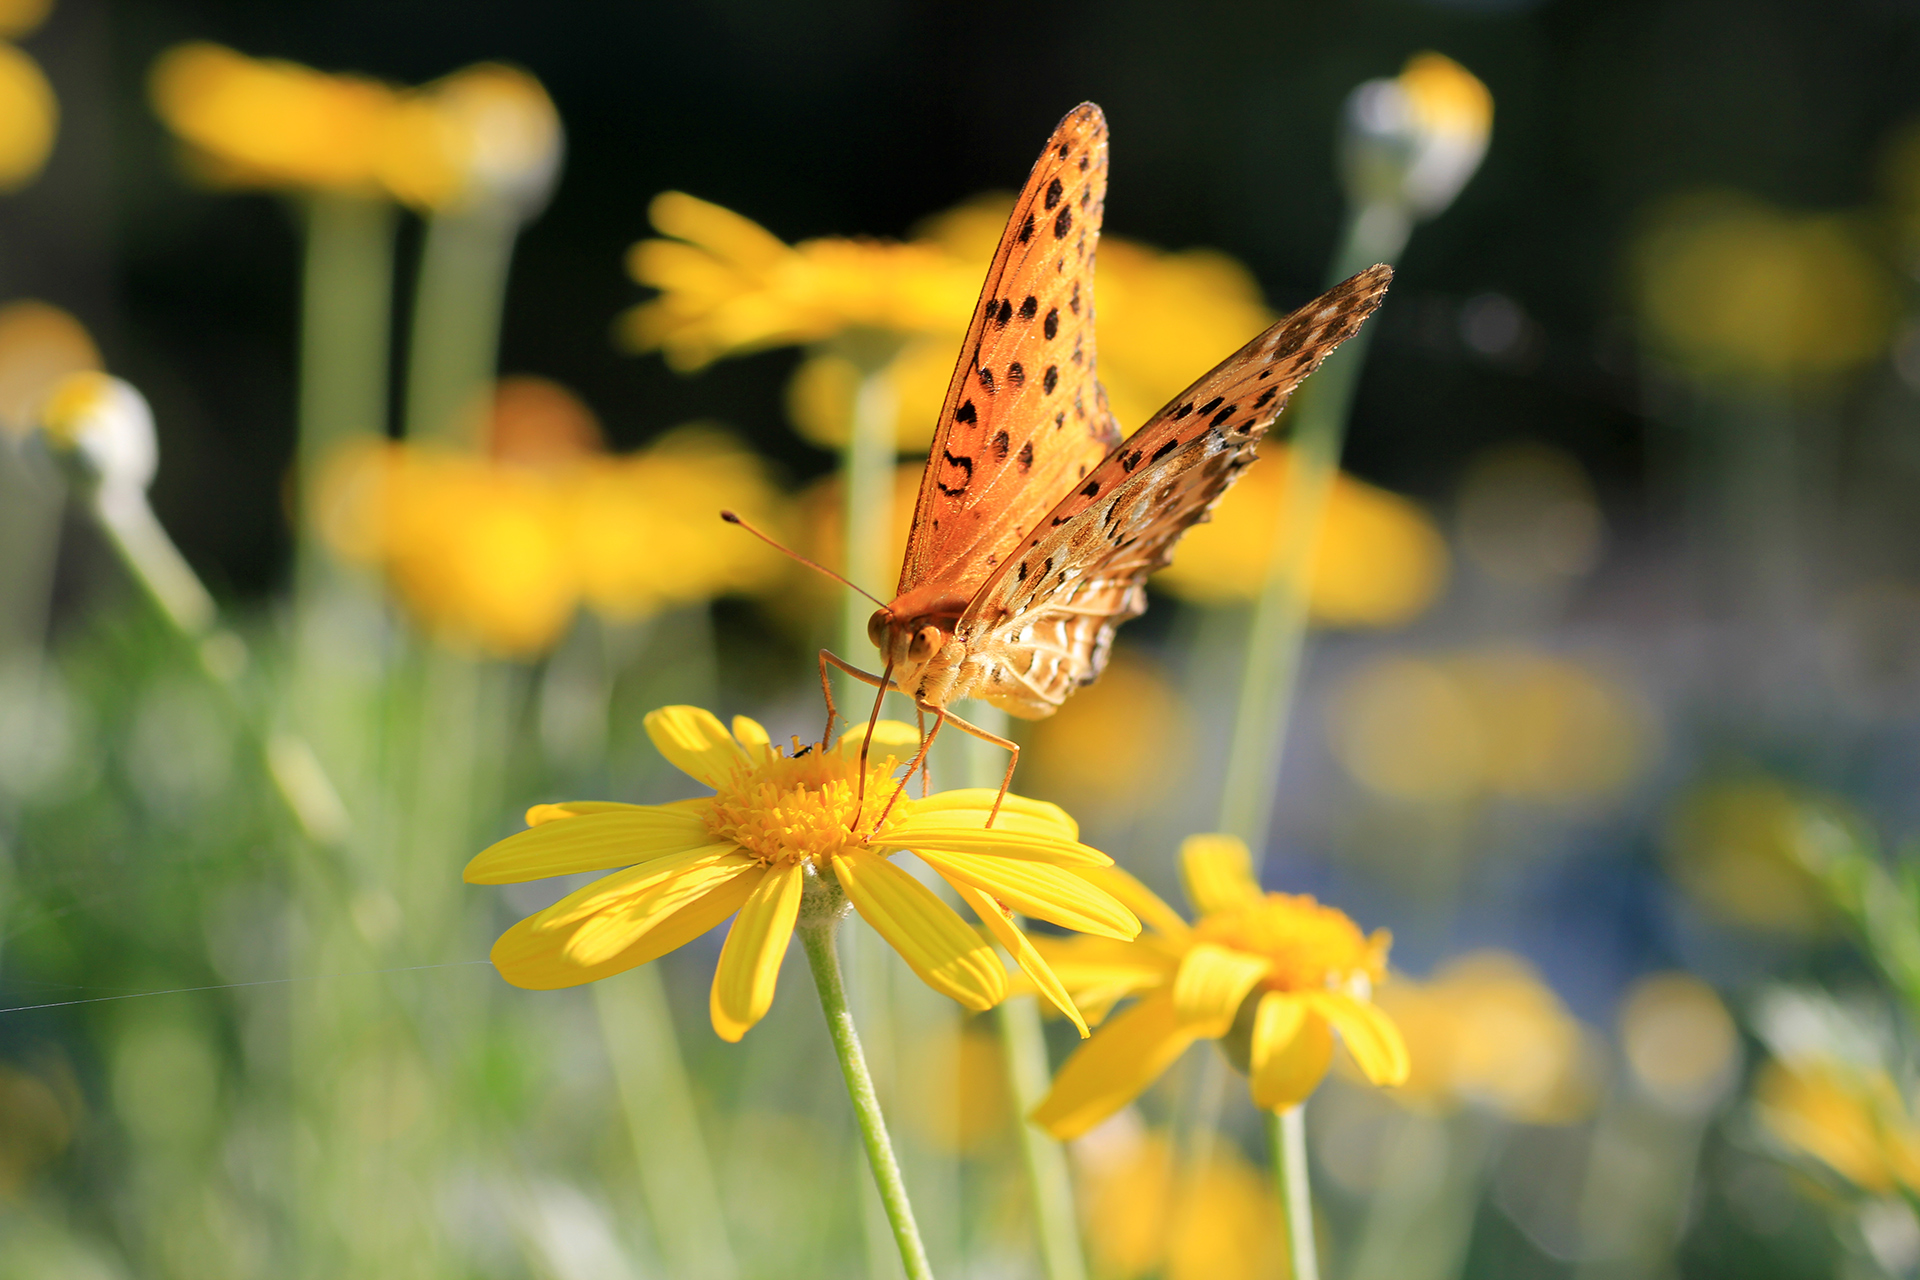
(1043, 623)
(1024, 416)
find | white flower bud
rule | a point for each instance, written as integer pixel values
(99, 425)
(1415, 140)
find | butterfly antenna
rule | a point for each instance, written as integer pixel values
(733, 518)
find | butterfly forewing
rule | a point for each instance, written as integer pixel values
(1024, 417)
(1045, 619)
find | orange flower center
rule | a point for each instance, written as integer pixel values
(1313, 948)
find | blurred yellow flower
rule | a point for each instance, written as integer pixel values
(1679, 1041)
(497, 553)
(1732, 289)
(1145, 1218)
(646, 533)
(487, 133)
(1380, 561)
(1738, 845)
(29, 119)
(727, 285)
(1485, 1031)
(776, 818)
(1115, 745)
(1505, 723)
(1270, 975)
(1163, 317)
(39, 346)
(267, 123)
(18, 17)
(1852, 1119)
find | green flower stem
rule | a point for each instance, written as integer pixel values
(866, 477)
(1277, 631)
(817, 936)
(456, 322)
(346, 304)
(1287, 1134)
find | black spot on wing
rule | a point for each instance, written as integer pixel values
(1222, 416)
(1026, 229)
(1062, 223)
(986, 379)
(1212, 404)
(1073, 303)
(1029, 307)
(1026, 456)
(1051, 378)
(1164, 450)
(1183, 411)
(1266, 397)
(1054, 191)
(1052, 325)
(1000, 446)
(1092, 490)
(966, 413)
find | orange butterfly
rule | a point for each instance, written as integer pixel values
(1036, 525)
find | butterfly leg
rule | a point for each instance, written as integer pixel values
(940, 718)
(884, 683)
(998, 741)
(926, 774)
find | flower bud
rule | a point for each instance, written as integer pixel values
(1415, 140)
(100, 426)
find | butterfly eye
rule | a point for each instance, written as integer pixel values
(877, 629)
(925, 641)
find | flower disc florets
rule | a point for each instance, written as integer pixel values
(1313, 948)
(803, 807)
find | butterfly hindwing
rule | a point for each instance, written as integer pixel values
(1024, 416)
(1081, 570)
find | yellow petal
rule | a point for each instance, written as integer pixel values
(1212, 982)
(1036, 889)
(536, 958)
(594, 937)
(1369, 1034)
(1219, 873)
(1290, 1052)
(610, 893)
(1084, 963)
(1000, 923)
(749, 965)
(1114, 1068)
(695, 742)
(971, 806)
(1142, 901)
(752, 735)
(934, 941)
(1034, 846)
(889, 737)
(591, 841)
(574, 808)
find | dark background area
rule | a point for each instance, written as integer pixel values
(861, 118)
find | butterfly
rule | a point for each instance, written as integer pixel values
(1037, 524)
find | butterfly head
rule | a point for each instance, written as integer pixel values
(913, 630)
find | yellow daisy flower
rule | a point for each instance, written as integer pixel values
(729, 285)
(1270, 975)
(775, 820)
